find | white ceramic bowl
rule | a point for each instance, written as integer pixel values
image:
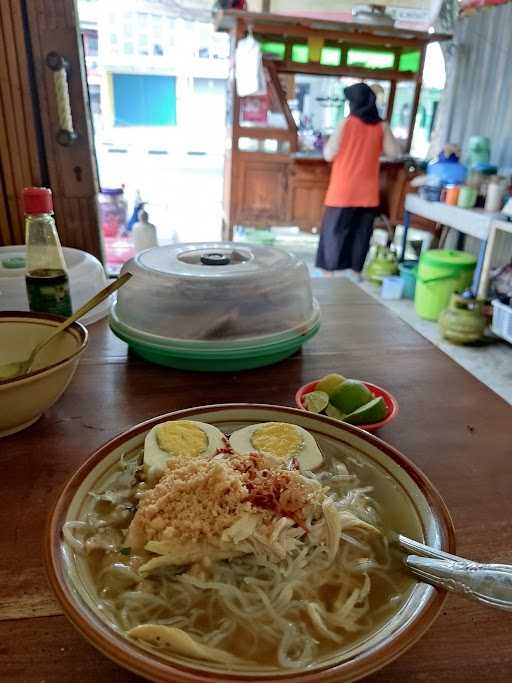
(24, 400)
(411, 505)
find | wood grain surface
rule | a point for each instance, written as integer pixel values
(456, 429)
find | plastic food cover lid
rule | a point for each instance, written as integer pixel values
(448, 257)
(216, 291)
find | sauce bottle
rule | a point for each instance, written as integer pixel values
(144, 233)
(46, 277)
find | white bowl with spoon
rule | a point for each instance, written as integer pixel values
(39, 354)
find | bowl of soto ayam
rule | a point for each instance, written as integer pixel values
(354, 401)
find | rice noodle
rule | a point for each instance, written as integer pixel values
(285, 610)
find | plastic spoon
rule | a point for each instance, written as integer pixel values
(20, 368)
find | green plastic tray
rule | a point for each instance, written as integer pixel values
(217, 360)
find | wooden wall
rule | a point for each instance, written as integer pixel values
(20, 162)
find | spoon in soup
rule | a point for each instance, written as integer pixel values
(9, 371)
(490, 584)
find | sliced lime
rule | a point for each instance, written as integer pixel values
(374, 411)
(331, 411)
(329, 383)
(316, 401)
(350, 396)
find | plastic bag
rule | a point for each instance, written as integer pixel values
(249, 73)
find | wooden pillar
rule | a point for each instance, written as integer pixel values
(416, 100)
(391, 101)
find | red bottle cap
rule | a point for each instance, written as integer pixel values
(37, 200)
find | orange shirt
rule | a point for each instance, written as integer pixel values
(355, 169)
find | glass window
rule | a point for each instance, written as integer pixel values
(410, 61)
(318, 102)
(262, 110)
(95, 99)
(90, 43)
(273, 48)
(144, 100)
(402, 109)
(300, 54)
(330, 56)
(268, 145)
(370, 59)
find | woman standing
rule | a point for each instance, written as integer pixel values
(352, 197)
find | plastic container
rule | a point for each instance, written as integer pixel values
(448, 170)
(86, 278)
(390, 400)
(432, 193)
(467, 197)
(408, 271)
(441, 272)
(452, 194)
(495, 194)
(392, 288)
(215, 306)
(479, 150)
(112, 211)
(502, 320)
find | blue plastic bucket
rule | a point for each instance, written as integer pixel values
(408, 270)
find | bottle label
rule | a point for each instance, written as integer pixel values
(48, 292)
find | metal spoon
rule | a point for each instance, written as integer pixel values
(20, 368)
(487, 583)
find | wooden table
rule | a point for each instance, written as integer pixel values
(456, 429)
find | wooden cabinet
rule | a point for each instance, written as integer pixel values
(307, 186)
(261, 192)
(277, 191)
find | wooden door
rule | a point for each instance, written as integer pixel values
(29, 122)
(306, 195)
(262, 187)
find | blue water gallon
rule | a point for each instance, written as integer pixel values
(448, 170)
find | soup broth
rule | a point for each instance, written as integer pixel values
(295, 612)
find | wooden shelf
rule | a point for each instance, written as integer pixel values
(351, 71)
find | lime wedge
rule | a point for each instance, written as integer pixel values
(329, 383)
(374, 411)
(331, 411)
(350, 396)
(316, 401)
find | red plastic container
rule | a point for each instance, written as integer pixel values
(390, 400)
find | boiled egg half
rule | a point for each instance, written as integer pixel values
(279, 440)
(179, 438)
